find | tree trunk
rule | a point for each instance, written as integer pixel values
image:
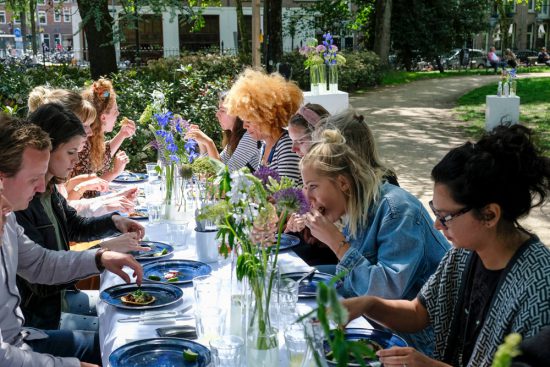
(32, 11)
(273, 29)
(99, 37)
(382, 30)
(23, 18)
(244, 37)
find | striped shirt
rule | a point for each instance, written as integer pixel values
(246, 154)
(284, 161)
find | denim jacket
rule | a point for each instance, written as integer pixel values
(394, 254)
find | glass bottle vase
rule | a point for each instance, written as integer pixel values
(323, 79)
(333, 78)
(314, 79)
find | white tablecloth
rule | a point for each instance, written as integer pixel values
(113, 334)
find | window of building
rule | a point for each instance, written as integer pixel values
(544, 9)
(46, 41)
(42, 18)
(66, 15)
(531, 6)
(2, 17)
(57, 16)
(150, 39)
(207, 37)
(530, 34)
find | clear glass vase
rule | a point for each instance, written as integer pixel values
(333, 78)
(262, 344)
(323, 79)
(175, 201)
(314, 79)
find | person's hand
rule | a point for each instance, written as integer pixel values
(120, 162)
(85, 364)
(125, 243)
(130, 194)
(356, 306)
(93, 184)
(296, 223)
(323, 229)
(405, 356)
(195, 133)
(118, 204)
(126, 225)
(115, 262)
(128, 129)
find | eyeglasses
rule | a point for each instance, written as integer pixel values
(447, 218)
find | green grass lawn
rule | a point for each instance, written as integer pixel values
(402, 77)
(534, 109)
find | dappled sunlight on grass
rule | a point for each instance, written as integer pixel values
(534, 109)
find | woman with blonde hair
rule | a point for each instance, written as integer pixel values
(96, 156)
(388, 246)
(74, 188)
(265, 103)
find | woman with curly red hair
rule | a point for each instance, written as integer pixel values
(265, 103)
(97, 155)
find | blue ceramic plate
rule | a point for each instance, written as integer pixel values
(157, 251)
(165, 294)
(288, 241)
(129, 177)
(187, 269)
(384, 339)
(139, 214)
(308, 286)
(159, 352)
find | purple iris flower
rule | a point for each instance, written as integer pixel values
(163, 118)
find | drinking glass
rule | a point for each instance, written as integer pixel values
(154, 211)
(210, 322)
(287, 293)
(178, 235)
(152, 171)
(227, 351)
(296, 345)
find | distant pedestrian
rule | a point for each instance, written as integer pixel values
(543, 57)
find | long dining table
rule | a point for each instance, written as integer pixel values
(114, 334)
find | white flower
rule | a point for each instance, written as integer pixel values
(158, 99)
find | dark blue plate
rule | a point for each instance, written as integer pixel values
(308, 287)
(156, 251)
(139, 214)
(188, 269)
(165, 294)
(383, 338)
(288, 241)
(129, 177)
(159, 352)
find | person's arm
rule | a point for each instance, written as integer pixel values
(399, 315)
(287, 163)
(126, 131)
(12, 356)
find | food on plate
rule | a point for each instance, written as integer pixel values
(162, 253)
(154, 277)
(190, 356)
(371, 344)
(138, 298)
(172, 275)
(137, 214)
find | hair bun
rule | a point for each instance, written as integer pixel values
(332, 136)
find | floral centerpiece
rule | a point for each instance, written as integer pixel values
(319, 58)
(250, 216)
(174, 151)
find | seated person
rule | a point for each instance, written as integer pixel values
(52, 223)
(24, 157)
(239, 149)
(266, 103)
(543, 57)
(494, 281)
(389, 246)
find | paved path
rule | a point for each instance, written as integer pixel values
(415, 127)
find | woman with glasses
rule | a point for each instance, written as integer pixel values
(388, 247)
(495, 280)
(97, 155)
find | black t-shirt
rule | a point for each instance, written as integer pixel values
(480, 289)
